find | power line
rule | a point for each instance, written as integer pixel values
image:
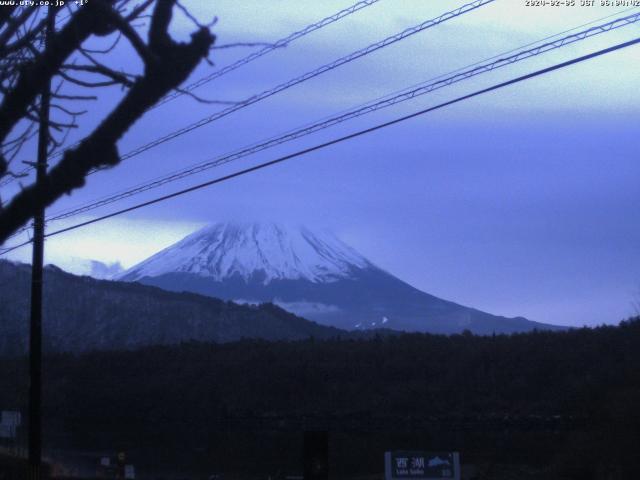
(309, 75)
(389, 95)
(302, 78)
(386, 101)
(335, 141)
(421, 89)
(15, 247)
(283, 42)
(479, 62)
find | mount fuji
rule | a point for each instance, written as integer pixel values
(312, 274)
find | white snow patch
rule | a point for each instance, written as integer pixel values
(242, 301)
(91, 268)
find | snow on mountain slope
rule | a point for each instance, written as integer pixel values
(275, 252)
(311, 274)
(91, 268)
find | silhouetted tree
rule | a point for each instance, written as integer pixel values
(28, 63)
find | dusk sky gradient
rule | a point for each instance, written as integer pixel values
(522, 202)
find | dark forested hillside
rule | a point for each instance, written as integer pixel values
(81, 314)
(566, 401)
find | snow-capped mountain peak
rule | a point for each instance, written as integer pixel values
(255, 250)
(311, 274)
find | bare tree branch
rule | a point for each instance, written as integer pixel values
(116, 77)
(109, 49)
(5, 14)
(83, 83)
(33, 76)
(195, 21)
(137, 12)
(199, 99)
(23, 41)
(67, 111)
(169, 65)
(128, 31)
(74, 97)
(13, 25)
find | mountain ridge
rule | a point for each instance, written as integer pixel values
(82, 314)
(314, 275)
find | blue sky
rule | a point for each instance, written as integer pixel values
(521, 202)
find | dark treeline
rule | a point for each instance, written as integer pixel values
(563, 400)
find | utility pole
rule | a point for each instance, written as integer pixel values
(35, 327)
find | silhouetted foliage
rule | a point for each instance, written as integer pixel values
(29, 63)
(566, 402)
